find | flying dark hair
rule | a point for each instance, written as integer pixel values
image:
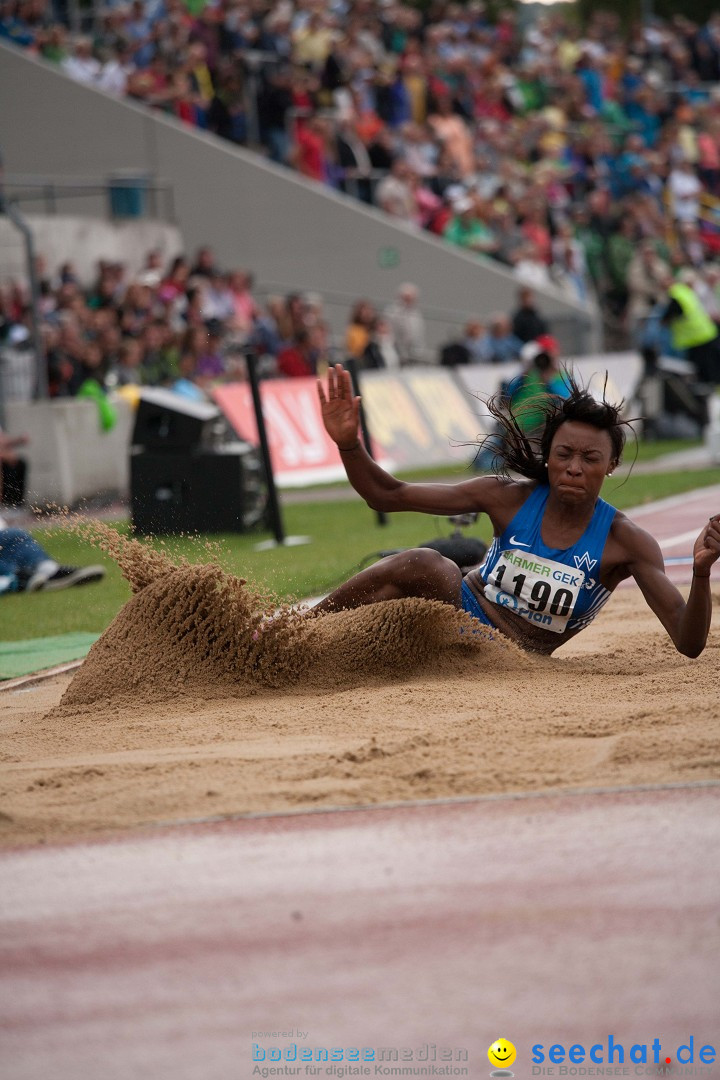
(516, 452)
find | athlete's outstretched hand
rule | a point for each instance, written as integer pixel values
(707, 547)
(340, 409)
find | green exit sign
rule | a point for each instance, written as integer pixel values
(388, 258)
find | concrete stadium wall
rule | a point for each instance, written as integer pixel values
(292, 233)
(69, 457)
(84, 240)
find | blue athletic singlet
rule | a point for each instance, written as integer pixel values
(555, 588)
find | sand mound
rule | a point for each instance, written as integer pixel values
(196, 630)
(197, 703)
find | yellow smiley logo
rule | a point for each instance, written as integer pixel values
(502, 1054)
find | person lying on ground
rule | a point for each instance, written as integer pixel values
(559, 550)
(25, 566)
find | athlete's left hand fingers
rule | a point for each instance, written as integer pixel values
(712, 531)
(711, 538)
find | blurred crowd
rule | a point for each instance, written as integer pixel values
(559, 151)
(187, 324)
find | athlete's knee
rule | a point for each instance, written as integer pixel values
(423, 556)
(433, 559)
(403, 562)
(420, 558)
(430, 565)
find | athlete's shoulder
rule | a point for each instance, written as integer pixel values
(500, 498)
(634, 541)
(513, 488)
(504, 491)
(622, 526)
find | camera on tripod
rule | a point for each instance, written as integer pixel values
(461, 521)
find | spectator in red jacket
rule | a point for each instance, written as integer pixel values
(296, 360)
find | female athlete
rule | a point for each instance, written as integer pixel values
(559, 550)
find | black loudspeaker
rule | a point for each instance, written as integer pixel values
(219, 491)
(167, 421)
(12, 482)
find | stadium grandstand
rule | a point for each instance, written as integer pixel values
(581, 162)
(552, 149)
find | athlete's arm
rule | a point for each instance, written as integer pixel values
(384, 492)
(381, 490)
(688, 624)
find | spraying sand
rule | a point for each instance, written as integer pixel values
(203, 698)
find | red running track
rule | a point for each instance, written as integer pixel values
(557, 919)
(675, 523)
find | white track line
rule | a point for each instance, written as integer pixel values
(681, 538)
(707, 494)
(383, 807)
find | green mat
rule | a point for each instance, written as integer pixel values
(25, 657)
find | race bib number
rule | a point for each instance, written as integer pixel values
(540, 590)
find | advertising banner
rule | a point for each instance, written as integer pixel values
(301, 451)
(417, 417)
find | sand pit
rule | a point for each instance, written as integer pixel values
(197, 703)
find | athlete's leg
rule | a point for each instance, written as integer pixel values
(417, 572)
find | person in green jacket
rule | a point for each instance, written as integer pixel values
(692, 329)
(467, 231)
(542, 377)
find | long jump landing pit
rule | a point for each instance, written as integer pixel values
(380, 705)
(500, 906)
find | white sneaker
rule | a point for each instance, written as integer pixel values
(65, 576)
(8, 583)
(42, 573)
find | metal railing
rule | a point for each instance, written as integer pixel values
(145, 196)
(18, 374)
